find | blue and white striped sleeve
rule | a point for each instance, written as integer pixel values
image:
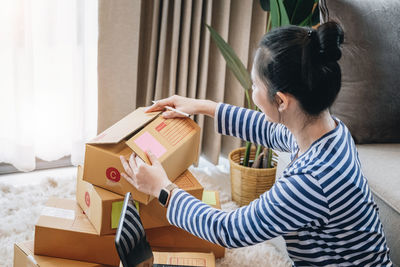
(251, 125)
(288, 206)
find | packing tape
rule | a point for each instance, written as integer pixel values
(31, 261)
(59, 213)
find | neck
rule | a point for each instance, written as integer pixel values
(308, 131)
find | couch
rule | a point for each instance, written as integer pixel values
(381, 166)
(369, 101)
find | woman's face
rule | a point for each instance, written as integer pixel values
(261, 99)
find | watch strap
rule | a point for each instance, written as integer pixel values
(169, 188)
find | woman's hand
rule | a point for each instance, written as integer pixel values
(149, 179)
(188, 105)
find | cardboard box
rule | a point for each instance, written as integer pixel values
(171, 238)
(185, 258)
(64, 231)
(179, 259)
(153, 215)
(24, 257)
(175, 142)
(189, 183)
(102, 207)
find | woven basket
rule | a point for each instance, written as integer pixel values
(248, 183)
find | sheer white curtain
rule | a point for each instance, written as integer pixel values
(48, 79)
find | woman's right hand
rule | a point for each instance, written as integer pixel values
(188, 105)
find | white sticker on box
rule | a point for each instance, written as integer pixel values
(59, 213)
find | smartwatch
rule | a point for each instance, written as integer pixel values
(165, 194)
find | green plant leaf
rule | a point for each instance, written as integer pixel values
(284, 16)
(269, 158)
(246, 92)
(247, 154)
(269, 24)
(265, 5)
(275, 14)
(315, 16)
(232, 60)
(290, 6)
(258, 151)
(278, 14)
(302, 11)
(307, 21)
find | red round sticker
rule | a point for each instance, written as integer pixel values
(87, 199)
(113, 174)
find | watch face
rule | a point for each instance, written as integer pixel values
(163, 197)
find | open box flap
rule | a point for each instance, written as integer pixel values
(124, 127)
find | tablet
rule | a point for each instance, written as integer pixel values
(130, 239)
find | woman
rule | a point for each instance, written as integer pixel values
(322, 205)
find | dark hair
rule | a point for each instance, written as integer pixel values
(303, 62)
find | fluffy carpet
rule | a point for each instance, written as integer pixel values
(21, 206)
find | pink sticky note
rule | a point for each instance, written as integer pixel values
(147, 142)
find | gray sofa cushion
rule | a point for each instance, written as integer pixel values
(369, 101)
(381, 166)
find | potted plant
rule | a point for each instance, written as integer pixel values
(253, 170)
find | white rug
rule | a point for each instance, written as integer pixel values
(21, 206)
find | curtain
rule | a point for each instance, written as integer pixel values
(48, 84)
(149, 50)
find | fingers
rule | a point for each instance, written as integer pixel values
(126, 166)
(137, 170)
(172, 114)
(131, 169)
(153, 159)
(131, 180)
(160, 104)
(139, 162)
(154, 107)
(132, 163)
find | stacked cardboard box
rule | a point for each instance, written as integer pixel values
(171, 238)
(64, 231)
(24, 257)
(175, 142)
(153, 215)
(81, 232)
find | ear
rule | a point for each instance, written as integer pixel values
(282, 100)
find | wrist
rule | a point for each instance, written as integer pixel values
(207, 107)
(159, 188)
(166, 194)
(170, 196)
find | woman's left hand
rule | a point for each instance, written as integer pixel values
(149, 179)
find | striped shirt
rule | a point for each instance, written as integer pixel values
(321, 205)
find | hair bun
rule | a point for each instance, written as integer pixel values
(330, 35)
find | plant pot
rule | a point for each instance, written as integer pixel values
(248, 183)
